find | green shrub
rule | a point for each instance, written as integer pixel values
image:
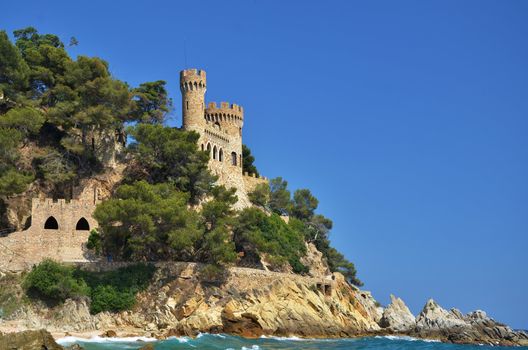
(51, 280)
(94, 241)
(108, 298)
(254, 230)
(116, 290)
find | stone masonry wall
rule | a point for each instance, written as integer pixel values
(22, 249)
(220, 128)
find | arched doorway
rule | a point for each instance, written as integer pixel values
(51, 224)
(82, 225)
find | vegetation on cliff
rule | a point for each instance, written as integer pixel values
(63, 106)
(108, 291)
(56, 117)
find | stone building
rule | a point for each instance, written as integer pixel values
(59, 230)
(220, 128)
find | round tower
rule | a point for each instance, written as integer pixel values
(193, 87)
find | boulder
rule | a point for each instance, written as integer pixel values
(397, 317)
(434, 317)
(29, 340)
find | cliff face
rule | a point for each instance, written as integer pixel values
(184, 300)
(187, 299)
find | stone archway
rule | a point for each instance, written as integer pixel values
(51, 224)
(82, 225)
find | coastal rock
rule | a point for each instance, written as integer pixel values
(434, 317)
(315, 262)
(397, 316)
(29, 340)
(476, 327)
(373, 308)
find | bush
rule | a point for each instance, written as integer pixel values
(108, 291)
(51, 280)
(108, 298)
(254, 230)
(94, 242)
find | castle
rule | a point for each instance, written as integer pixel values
(220, 128)
(60, 229)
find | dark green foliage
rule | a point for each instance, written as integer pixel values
(108, 291)
(94, 242)
(256, 231)
(77, 100)
(279, 196)
(116, 290)
(107, 298)
(303, 204)
(247, 161)
(170, 155)
(54, 168)
(145, 222)
(217, 215)
(51, 280)
(151, 102)
(260, 196)
(14, 73)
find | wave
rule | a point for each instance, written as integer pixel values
(69, 340)
(407, 338)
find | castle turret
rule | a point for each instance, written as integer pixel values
(193, 87)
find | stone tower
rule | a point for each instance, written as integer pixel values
(220, 129)
(193, 87)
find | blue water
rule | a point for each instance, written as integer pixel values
(226, 342)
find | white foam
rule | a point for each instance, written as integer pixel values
(71, 340)
(180, 339)
(407, 338)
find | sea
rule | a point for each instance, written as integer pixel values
(228, 342)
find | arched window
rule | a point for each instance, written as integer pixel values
(51, 224)
(214, 152)
(221, 155)
(233, 158)
(82, 225)
(202, 147)
(209, 149)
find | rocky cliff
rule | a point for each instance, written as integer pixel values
(186, 299)
(434, 322)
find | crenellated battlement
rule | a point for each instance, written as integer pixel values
(220, 127)
(192, 79)
(255, 176)
(227, 112)
(50, 203)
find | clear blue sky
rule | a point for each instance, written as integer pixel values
(407, 119)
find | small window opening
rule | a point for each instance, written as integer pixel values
(82, 225)
(221, 155)
(214, 152)
(233, 158)
(51, 224)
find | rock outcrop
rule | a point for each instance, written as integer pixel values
(397, 317)
(184, 300)
(433, 317)
(247, 302)
(475, 327)
(29, 340)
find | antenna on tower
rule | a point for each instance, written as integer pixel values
(185, 51)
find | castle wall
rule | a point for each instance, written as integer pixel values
(220, 128)
(23, 249)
